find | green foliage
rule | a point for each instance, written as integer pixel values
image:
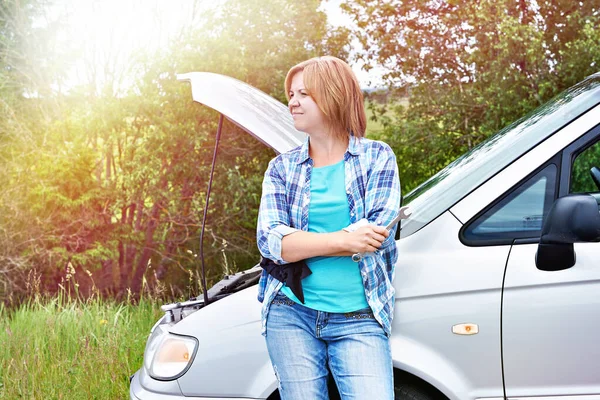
(581, 179)
(116, 185)
(471, 67)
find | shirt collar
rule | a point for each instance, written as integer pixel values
(353, 149)
(303, 156)
(353, 145)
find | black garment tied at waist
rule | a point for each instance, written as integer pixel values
(291, 274)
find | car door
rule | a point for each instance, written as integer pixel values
(551, 320)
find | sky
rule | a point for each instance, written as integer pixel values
(114, 29)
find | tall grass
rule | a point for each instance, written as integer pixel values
(70, 348)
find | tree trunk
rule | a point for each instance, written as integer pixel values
(149, 244)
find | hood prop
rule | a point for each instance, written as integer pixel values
(210, 180)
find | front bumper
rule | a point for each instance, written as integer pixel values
(139, 392)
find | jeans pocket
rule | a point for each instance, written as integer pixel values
(282, 300)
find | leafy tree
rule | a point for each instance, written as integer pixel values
(112, 183)
(256, 43)
(472, 67)
(581, 179)
(17, 117)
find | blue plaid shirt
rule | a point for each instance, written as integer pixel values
(373, 191)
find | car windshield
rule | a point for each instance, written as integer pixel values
(462, 176)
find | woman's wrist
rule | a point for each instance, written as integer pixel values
(338, 242)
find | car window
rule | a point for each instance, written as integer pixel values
(519, 214)
(581, 178)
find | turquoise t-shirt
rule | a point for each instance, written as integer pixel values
(335, 284)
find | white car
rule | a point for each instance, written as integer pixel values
(497, 280)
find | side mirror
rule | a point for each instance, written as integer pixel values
(572, 219)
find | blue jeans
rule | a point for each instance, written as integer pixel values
(302, 342)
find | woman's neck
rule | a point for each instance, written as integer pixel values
(327, 149)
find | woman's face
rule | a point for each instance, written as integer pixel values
(307, 116)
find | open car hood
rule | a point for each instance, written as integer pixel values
(256, 112)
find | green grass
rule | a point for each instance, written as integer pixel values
(72, 349)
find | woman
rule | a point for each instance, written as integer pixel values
(322, 202)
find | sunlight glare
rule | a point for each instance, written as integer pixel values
(107, 36)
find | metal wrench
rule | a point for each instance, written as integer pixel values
(357, 257)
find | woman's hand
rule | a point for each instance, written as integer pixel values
(366, 239)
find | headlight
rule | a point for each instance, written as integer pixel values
(168, 356)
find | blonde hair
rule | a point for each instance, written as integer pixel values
(335, 89)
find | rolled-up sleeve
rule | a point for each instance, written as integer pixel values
(358, 224)
(273, 215)
(382, 195)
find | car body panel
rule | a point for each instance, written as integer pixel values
(551, 325)
(145, 387)
(253, 110)
(233, 326)
(583, 397)
(440, 283)
(139, 392)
